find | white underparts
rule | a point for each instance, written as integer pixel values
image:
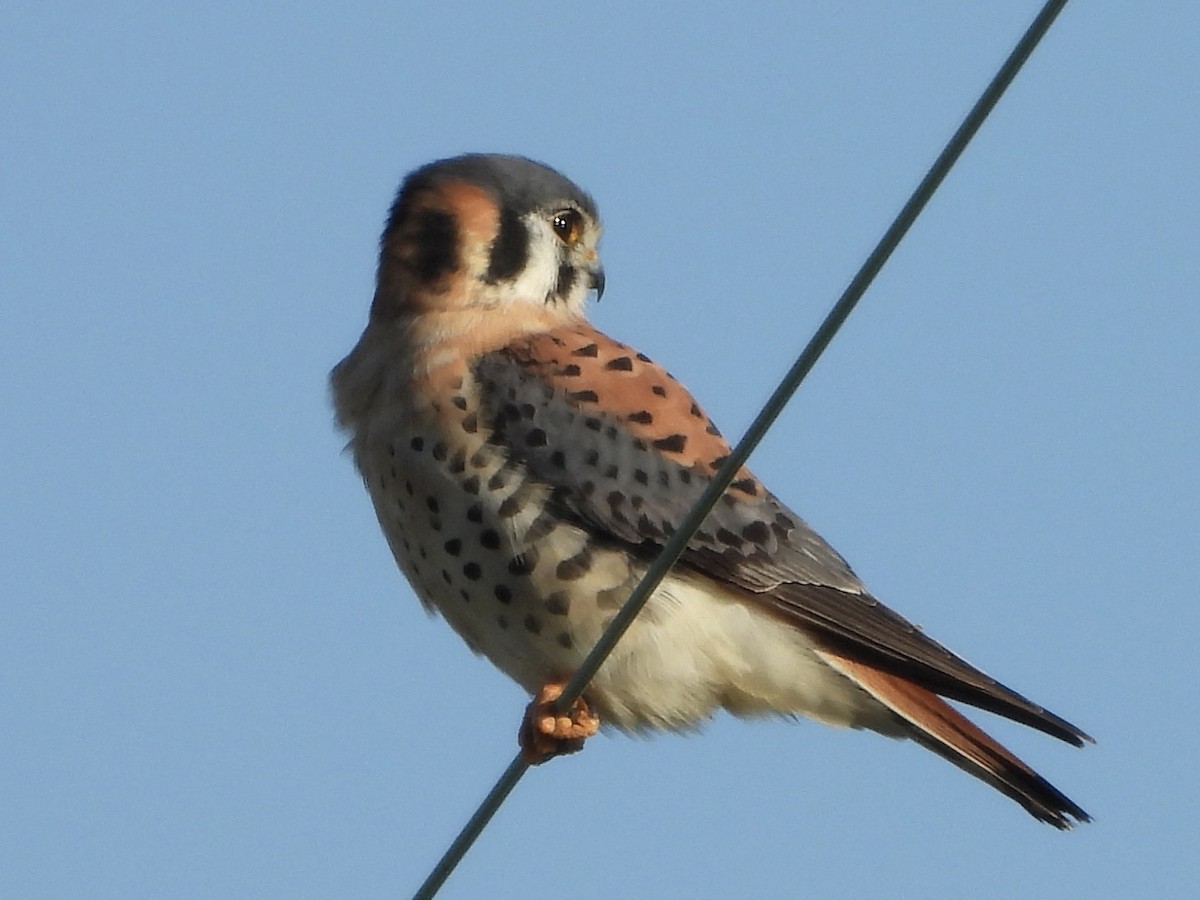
(691, 653)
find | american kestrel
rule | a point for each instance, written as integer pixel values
(526, 468)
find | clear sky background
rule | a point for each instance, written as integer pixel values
(215, 683)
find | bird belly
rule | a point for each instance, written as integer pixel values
(477, 541)
(695, 649)
(483, 545)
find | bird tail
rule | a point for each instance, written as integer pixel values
(937, 726)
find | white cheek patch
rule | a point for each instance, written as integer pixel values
(538, 281)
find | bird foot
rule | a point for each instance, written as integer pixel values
(545, 734)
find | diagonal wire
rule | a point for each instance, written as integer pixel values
(675, 546)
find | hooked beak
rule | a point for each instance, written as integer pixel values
(596, 281)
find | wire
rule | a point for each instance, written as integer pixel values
(678, 541)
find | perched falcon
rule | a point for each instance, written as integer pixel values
(526, 468)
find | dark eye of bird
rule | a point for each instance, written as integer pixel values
(568, 225)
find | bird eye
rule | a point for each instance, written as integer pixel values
(568, 225)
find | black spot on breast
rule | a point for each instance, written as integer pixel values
(659, 390)
(471, 484)
(473, 571)
(619, 364)
(460, 402)
(439, 451)
(523, 563)
(564, 640)
(592, 458)
(490, 539)
(588, 350)
(583, 396)
(696, 412)
(453, 546)
(479, 459)
(458, 463)
(417, 443)
(612, 471)
(685, 476)
(640, 476)
(558, 459)
(558, 604)
(503, 593)
(510, 249)
(642, 417)
(592, 424)
(532, 625)
(475, 513)
(498, 480)
(431, 504)
(615, 498)
(571, 371)
(576, 567)
(536, 438)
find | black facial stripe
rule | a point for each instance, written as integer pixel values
(510, 249)
(565, 281)
(435, 236)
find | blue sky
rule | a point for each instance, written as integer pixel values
(215, 683)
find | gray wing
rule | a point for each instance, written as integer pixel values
(609, 468)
